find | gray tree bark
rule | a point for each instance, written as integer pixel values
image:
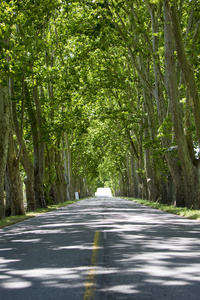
(25, 158)
(68, 167)
(188, 189)
(61, 184)
(187, 69)
(4, 139)
(38, 150)
(13, 181)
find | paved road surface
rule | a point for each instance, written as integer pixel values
(104, 248)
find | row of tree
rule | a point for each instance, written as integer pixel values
(99, 92)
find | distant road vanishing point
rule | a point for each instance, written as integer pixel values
(103, 192)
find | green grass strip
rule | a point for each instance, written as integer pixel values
(182, 211)
(16, 219)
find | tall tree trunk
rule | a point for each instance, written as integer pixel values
(61, 184)
(8, 204)
(172, 161)
(37, 148)
(187, 69)
(154, 11)
(14, 183)
(25, 158)
(50, 166)
(29, 183)
(4, 139)
(53, 191)
(153, 178)
(68, 167)
(190, 185)
(130, 175)
(135, 176)
(39, 153)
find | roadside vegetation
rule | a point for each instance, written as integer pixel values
(16, 219)
(98, 93)
(182, 211)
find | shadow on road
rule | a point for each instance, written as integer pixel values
(144, 253)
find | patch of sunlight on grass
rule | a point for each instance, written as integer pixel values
(182, 211)
(16, 219)
(13, 220)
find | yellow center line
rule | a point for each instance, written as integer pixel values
(90, 284)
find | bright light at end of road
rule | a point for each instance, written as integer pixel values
(103, 192)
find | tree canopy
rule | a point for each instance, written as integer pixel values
(99, 93)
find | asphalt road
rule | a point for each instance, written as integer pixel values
(104, 248)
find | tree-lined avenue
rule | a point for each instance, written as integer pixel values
(141, 253)
(99, 93)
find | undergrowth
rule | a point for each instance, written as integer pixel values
(182, 211)
(16, 219)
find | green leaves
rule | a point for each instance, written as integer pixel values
(165, 130)
(94, 65)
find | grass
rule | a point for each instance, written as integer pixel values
(182, 211)
(16, 219)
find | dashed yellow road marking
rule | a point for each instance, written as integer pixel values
(90, 284)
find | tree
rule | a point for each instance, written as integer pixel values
(4, 97)
(4, 140)
(190, 180)
(102, 93)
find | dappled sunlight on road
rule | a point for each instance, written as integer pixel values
(143, 253)
(158, 251)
